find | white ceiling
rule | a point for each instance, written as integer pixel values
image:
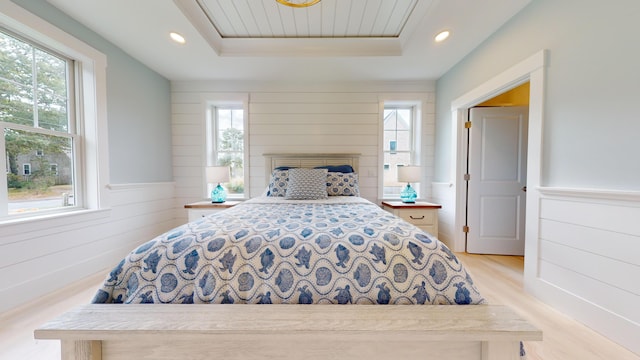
(261, 40)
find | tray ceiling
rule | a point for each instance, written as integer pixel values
(326, 19)
(328, 28)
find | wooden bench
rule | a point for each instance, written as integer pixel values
(301, 332)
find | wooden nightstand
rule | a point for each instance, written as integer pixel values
(421, 214)
(201, 209)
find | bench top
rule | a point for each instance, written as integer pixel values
(426, 323)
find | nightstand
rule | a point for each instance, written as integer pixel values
(421, 214)
(201, 209)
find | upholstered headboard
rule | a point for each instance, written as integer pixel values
(273, 161)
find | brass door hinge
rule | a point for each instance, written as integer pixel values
(467, 177)
(465, 229)
(467, 125)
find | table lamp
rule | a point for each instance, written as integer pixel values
(218, 174)
(408, 174)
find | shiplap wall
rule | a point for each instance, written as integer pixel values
(589, 259)
(293, 120)
(40, 257)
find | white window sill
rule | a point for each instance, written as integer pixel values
(18, 225)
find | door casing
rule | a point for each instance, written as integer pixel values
(533, 70)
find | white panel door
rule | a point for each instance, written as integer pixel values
(497, 185)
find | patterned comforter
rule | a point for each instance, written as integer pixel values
(266, 250)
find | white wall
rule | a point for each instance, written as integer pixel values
(294, 119)
(589, 147)
(40, 257)
(444, 194)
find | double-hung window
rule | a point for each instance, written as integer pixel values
(228, 145)
(400, 146)
(38, 126)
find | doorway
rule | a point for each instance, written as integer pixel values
(497, 180)
(531, 69)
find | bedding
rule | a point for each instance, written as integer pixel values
(339, 250)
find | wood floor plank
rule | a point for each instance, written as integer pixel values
(500, 280)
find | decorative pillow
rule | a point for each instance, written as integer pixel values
(307, 184)
(341, 184)
(278, 183)
(337, 168)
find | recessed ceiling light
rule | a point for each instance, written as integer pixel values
(442, 36)
(177, 38)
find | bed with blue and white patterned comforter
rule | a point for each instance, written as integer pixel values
(344, 250)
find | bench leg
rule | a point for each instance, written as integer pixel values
(81, 350)
(500, 350)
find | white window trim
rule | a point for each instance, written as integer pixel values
(24, 168)
(209, 102)
(418, 102)
(91, 109)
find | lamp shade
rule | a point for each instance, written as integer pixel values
(217, 174)
(409, 174)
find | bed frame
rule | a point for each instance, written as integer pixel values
(288, 332)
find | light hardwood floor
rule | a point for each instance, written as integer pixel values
(499, 279)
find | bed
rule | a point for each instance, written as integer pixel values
(309, 239)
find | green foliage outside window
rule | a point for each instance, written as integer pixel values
(34, 115)
(230, 147)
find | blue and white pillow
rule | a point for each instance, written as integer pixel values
(278, 183)
(307, 184)
(342, 184)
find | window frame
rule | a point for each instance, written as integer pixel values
(69, 133)
(416, 102)
(88, 105)
(224, 100)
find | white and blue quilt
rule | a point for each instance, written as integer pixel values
(344, 250)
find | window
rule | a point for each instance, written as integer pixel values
(35, 97)
(54, 96)
(54, 169)
(228, 139)
(399, 146)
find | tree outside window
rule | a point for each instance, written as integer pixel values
(229, 145)
(36, 123)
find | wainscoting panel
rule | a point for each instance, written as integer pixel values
(589, 259)
(41, 256)
(444, 194)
